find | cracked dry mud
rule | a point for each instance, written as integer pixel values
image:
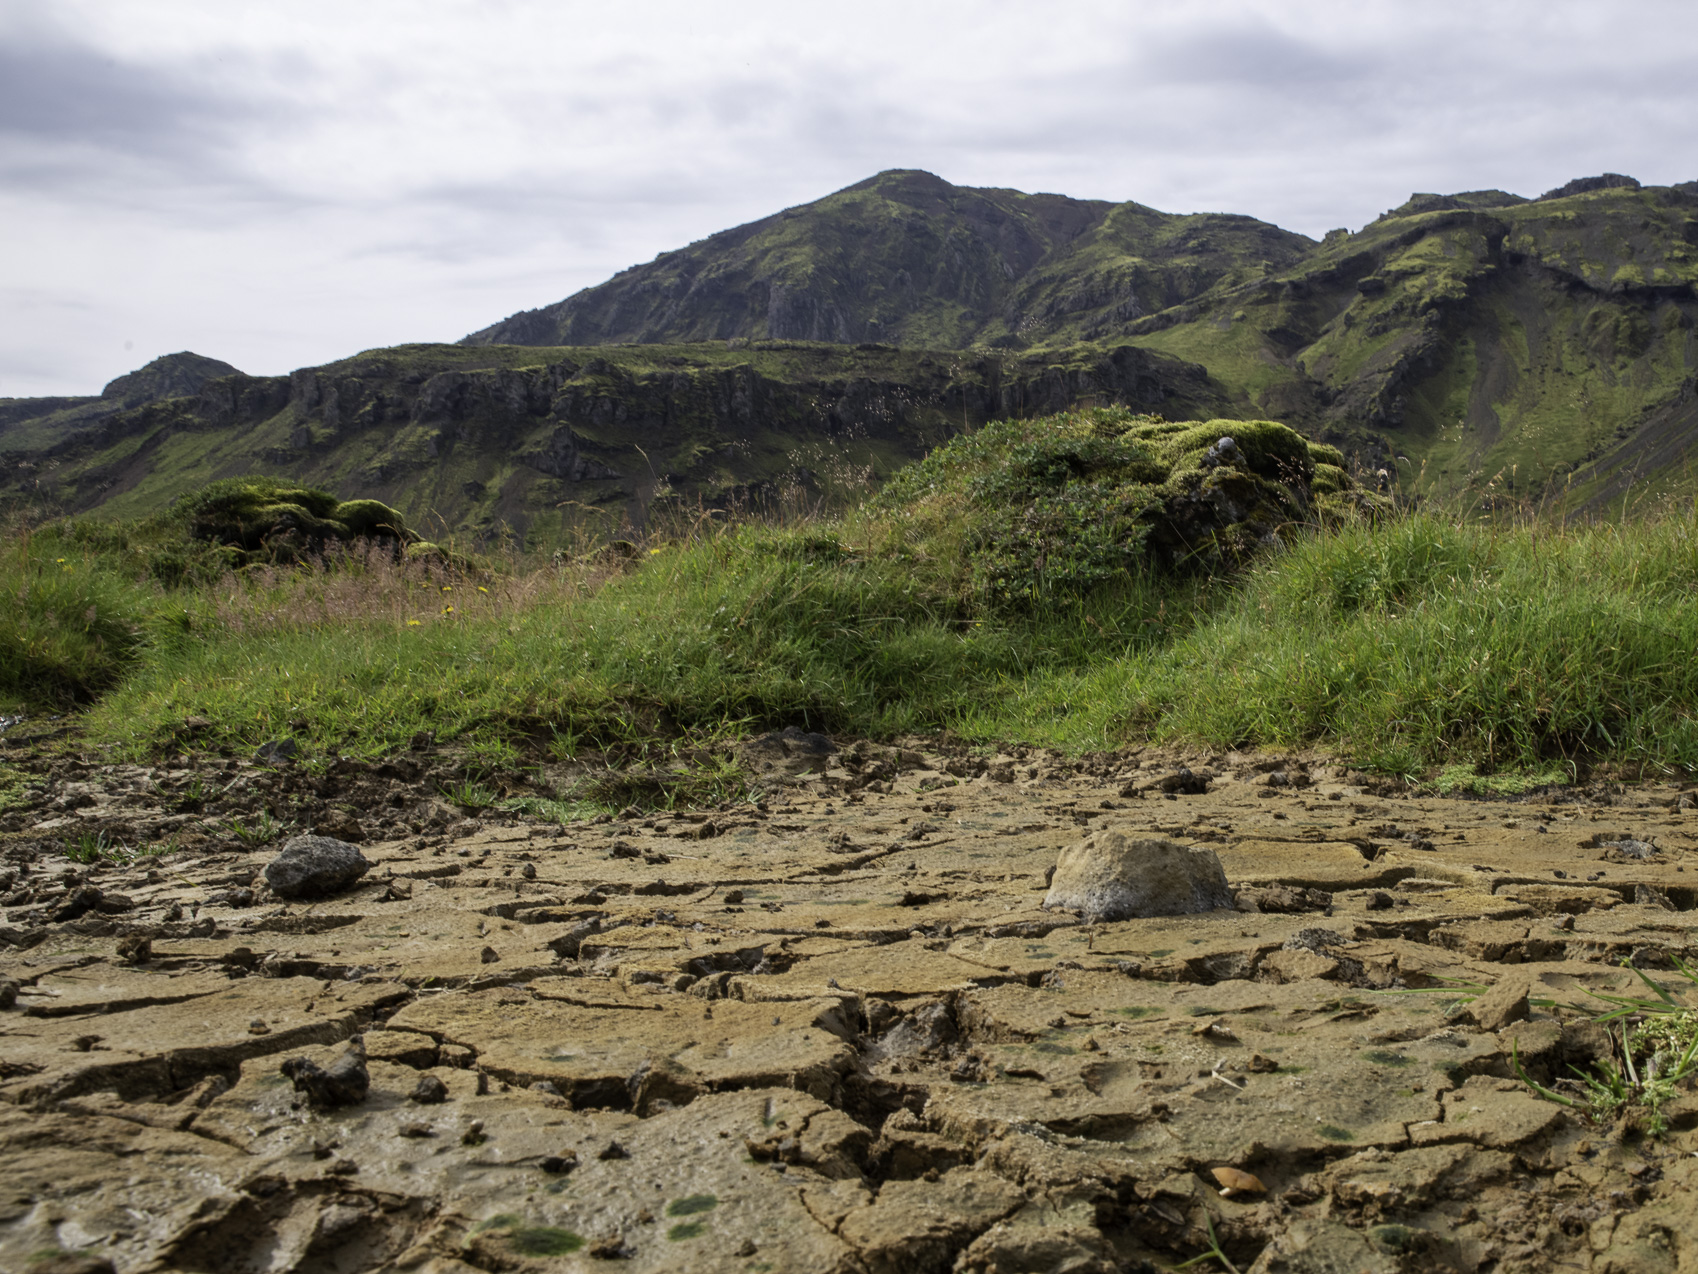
(838, 1033)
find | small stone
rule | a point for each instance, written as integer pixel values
(560, 1164)
(614, 1151)
(1183, 782)
(489, 955)
(473, 1136)
(78, 903)
(429, 1091)
(1109, 876)
(417, 1130)
(1316, 940)
(568, 944)
(1237, 1181)
(277, 752)
(345, 1083)
(733, 897)
(315, 866)
(529, 871)
(258, 1027)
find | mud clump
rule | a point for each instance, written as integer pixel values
(315, 867)
(1110, 876)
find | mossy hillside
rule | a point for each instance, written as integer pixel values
(267, 519)
(1485, 343)
(907, 257)
(84, 600)
(1463, 343)
(490, 440)
(1416, 644)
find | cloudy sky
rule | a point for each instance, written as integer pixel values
(283, 183)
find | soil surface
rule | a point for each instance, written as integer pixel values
(835, 1031)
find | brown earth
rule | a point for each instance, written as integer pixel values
(836, 1031)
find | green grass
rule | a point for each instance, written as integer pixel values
(1653, 1056)
(1479, 657)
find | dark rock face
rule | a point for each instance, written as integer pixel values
(1586, 185)
(315, 867)
(171, 376)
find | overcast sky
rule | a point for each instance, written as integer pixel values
(281, 184)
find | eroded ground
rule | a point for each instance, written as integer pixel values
(838, 1033)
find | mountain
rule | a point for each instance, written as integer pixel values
(907, 258)
(1480, 343)
(1475, 346)
(1477, 343)
(31, 424)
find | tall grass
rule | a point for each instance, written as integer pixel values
(1419, 643)
(1423, 642)
(70, 628)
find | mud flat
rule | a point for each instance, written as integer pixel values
(837, 1032)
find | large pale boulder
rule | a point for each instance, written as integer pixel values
(1111, 876)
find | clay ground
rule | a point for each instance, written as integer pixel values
(837, 1032)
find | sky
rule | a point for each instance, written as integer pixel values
(282, 184)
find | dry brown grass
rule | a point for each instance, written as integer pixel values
(369, 586)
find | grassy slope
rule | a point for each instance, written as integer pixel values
(1525, 344)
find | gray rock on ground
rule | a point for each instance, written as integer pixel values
(344, 1083)
(1110, 876)
(314, 867)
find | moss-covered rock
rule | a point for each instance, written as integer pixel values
(268, 519)
(1063, 504)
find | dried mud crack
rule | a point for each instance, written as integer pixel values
(837, 1032)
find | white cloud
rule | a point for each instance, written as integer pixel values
(277, 183)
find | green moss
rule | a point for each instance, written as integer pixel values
(1466, 778)
(1332, 1132)
(686, 1230)
(690, 1205)
(532, 1240)
(370, 519)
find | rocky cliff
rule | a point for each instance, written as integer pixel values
(485, 440)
